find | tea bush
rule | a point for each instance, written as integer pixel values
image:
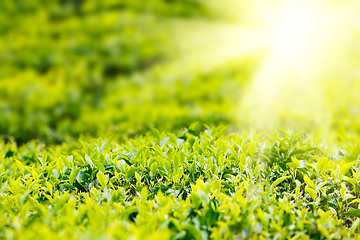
(94, 65)
(74, 71)
(196, 185)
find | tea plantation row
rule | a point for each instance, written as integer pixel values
(91, 67)
(197, 185)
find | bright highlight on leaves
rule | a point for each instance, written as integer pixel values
(309, 181)
(278, 181)
(101, 178)
(220, 179)
(312, 192)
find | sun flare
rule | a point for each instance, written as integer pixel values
(296, 28)
(298, 36)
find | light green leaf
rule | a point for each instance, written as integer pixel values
(252, 148)
(297, 191)
(88, 160)
(345, 168)
(20, 166)
(204, 198)
(144, 194)
(353, 213)
(350, 180)
(153, 169)
(65, 160)
(295, 161)
(49, 187)
(163, 141)
(322, 165)
(312, 192)
(243, 158)
(73, 175)
(215, 185)
(101, 179)
(320, 185)
(99, 142)
(176, 162)
(278, 181)
(309, 181)
(156, 134)
(138, 178)
(24, 196)
(60, 203)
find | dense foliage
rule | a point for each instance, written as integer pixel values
(93, 71)
(84, 86)
(196, 185)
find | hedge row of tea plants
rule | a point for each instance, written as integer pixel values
(100, 68)
(74, 70)
(36, 107)
(94, 68)
(195, 185)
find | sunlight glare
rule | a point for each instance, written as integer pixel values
(298, 35)
(294, 28)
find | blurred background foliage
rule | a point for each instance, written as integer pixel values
(87, 67)
(120, 68)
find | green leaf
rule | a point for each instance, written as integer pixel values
(215, 185)
(156, 134)
(167, 166)
(193, 132)
(41, 161)
(353, 213)
(297, 191)
(346, 167)
(144, 194)
(180, 235)
(294, 163)
(49, 187)
(100, 166)
(44, 157)
(282, 165)
(278, 181)
(176, 162)
(195, 233)
(138, 178)
(354, 226)
(309, 181)
(163, 141)
(301, 151)
(194, 125)
(322, 165)
(153, 169)
(20, 166)
(60, 203)
(101, 179)
(99, 142)
(65, 160)
(73, 175)
(24, 196)
(252, 148)
(350, 180)
(243, 158)
(320, 185)
(208, 132)
(68, 185)
(204, 198)
(121, 164)
(130, 172)
(312, 192)
(88, 160)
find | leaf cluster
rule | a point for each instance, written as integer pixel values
(193, 185)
